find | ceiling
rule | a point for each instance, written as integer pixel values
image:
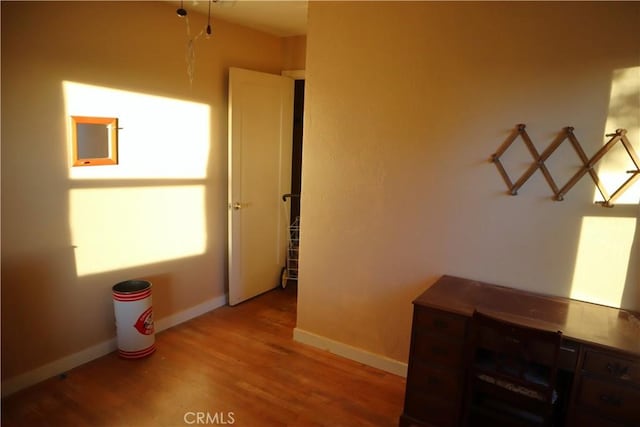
(280, 18)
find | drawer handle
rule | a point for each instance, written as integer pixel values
(611, 400)
(440, 324)
(617, 369)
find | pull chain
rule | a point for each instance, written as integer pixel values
(190, 54)
(209, 20)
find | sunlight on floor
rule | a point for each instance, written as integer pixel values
(156, 209)
(603, 259)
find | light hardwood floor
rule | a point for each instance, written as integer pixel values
(235, 365)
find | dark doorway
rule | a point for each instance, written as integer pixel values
(296, 157)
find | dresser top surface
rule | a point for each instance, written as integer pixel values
(600, 325)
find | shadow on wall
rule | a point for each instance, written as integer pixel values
(42, 318)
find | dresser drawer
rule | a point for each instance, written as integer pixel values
(618, 401)
(433, 408)
(612, 366)
(439, 323)
(437, 350)
(584, 418)
(445, 382)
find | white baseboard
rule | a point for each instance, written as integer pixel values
(359, 355)
(67, 363)
(17, 383)
(188, 314)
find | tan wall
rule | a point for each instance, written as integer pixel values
(51, 305)
(405, 104)
(295, 51)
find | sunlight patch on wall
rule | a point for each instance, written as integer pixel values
(603, 259)
(624, 113)
(116, 228)
(160, 137)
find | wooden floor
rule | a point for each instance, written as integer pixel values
(235, 366)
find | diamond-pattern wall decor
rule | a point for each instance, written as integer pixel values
(588, 164)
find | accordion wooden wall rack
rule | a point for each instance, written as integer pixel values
(588, 163)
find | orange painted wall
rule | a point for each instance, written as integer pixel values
(406, 103)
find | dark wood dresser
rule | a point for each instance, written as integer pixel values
(600, 355)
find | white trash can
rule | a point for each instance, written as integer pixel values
(134, 318)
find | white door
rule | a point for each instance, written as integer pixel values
(260, 140)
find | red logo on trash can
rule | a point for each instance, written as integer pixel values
(144, 324)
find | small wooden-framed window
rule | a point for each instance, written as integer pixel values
(94, 140)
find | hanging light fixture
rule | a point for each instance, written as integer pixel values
(209, 19)
(182, 12)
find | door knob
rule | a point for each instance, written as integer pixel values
(236, 206)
